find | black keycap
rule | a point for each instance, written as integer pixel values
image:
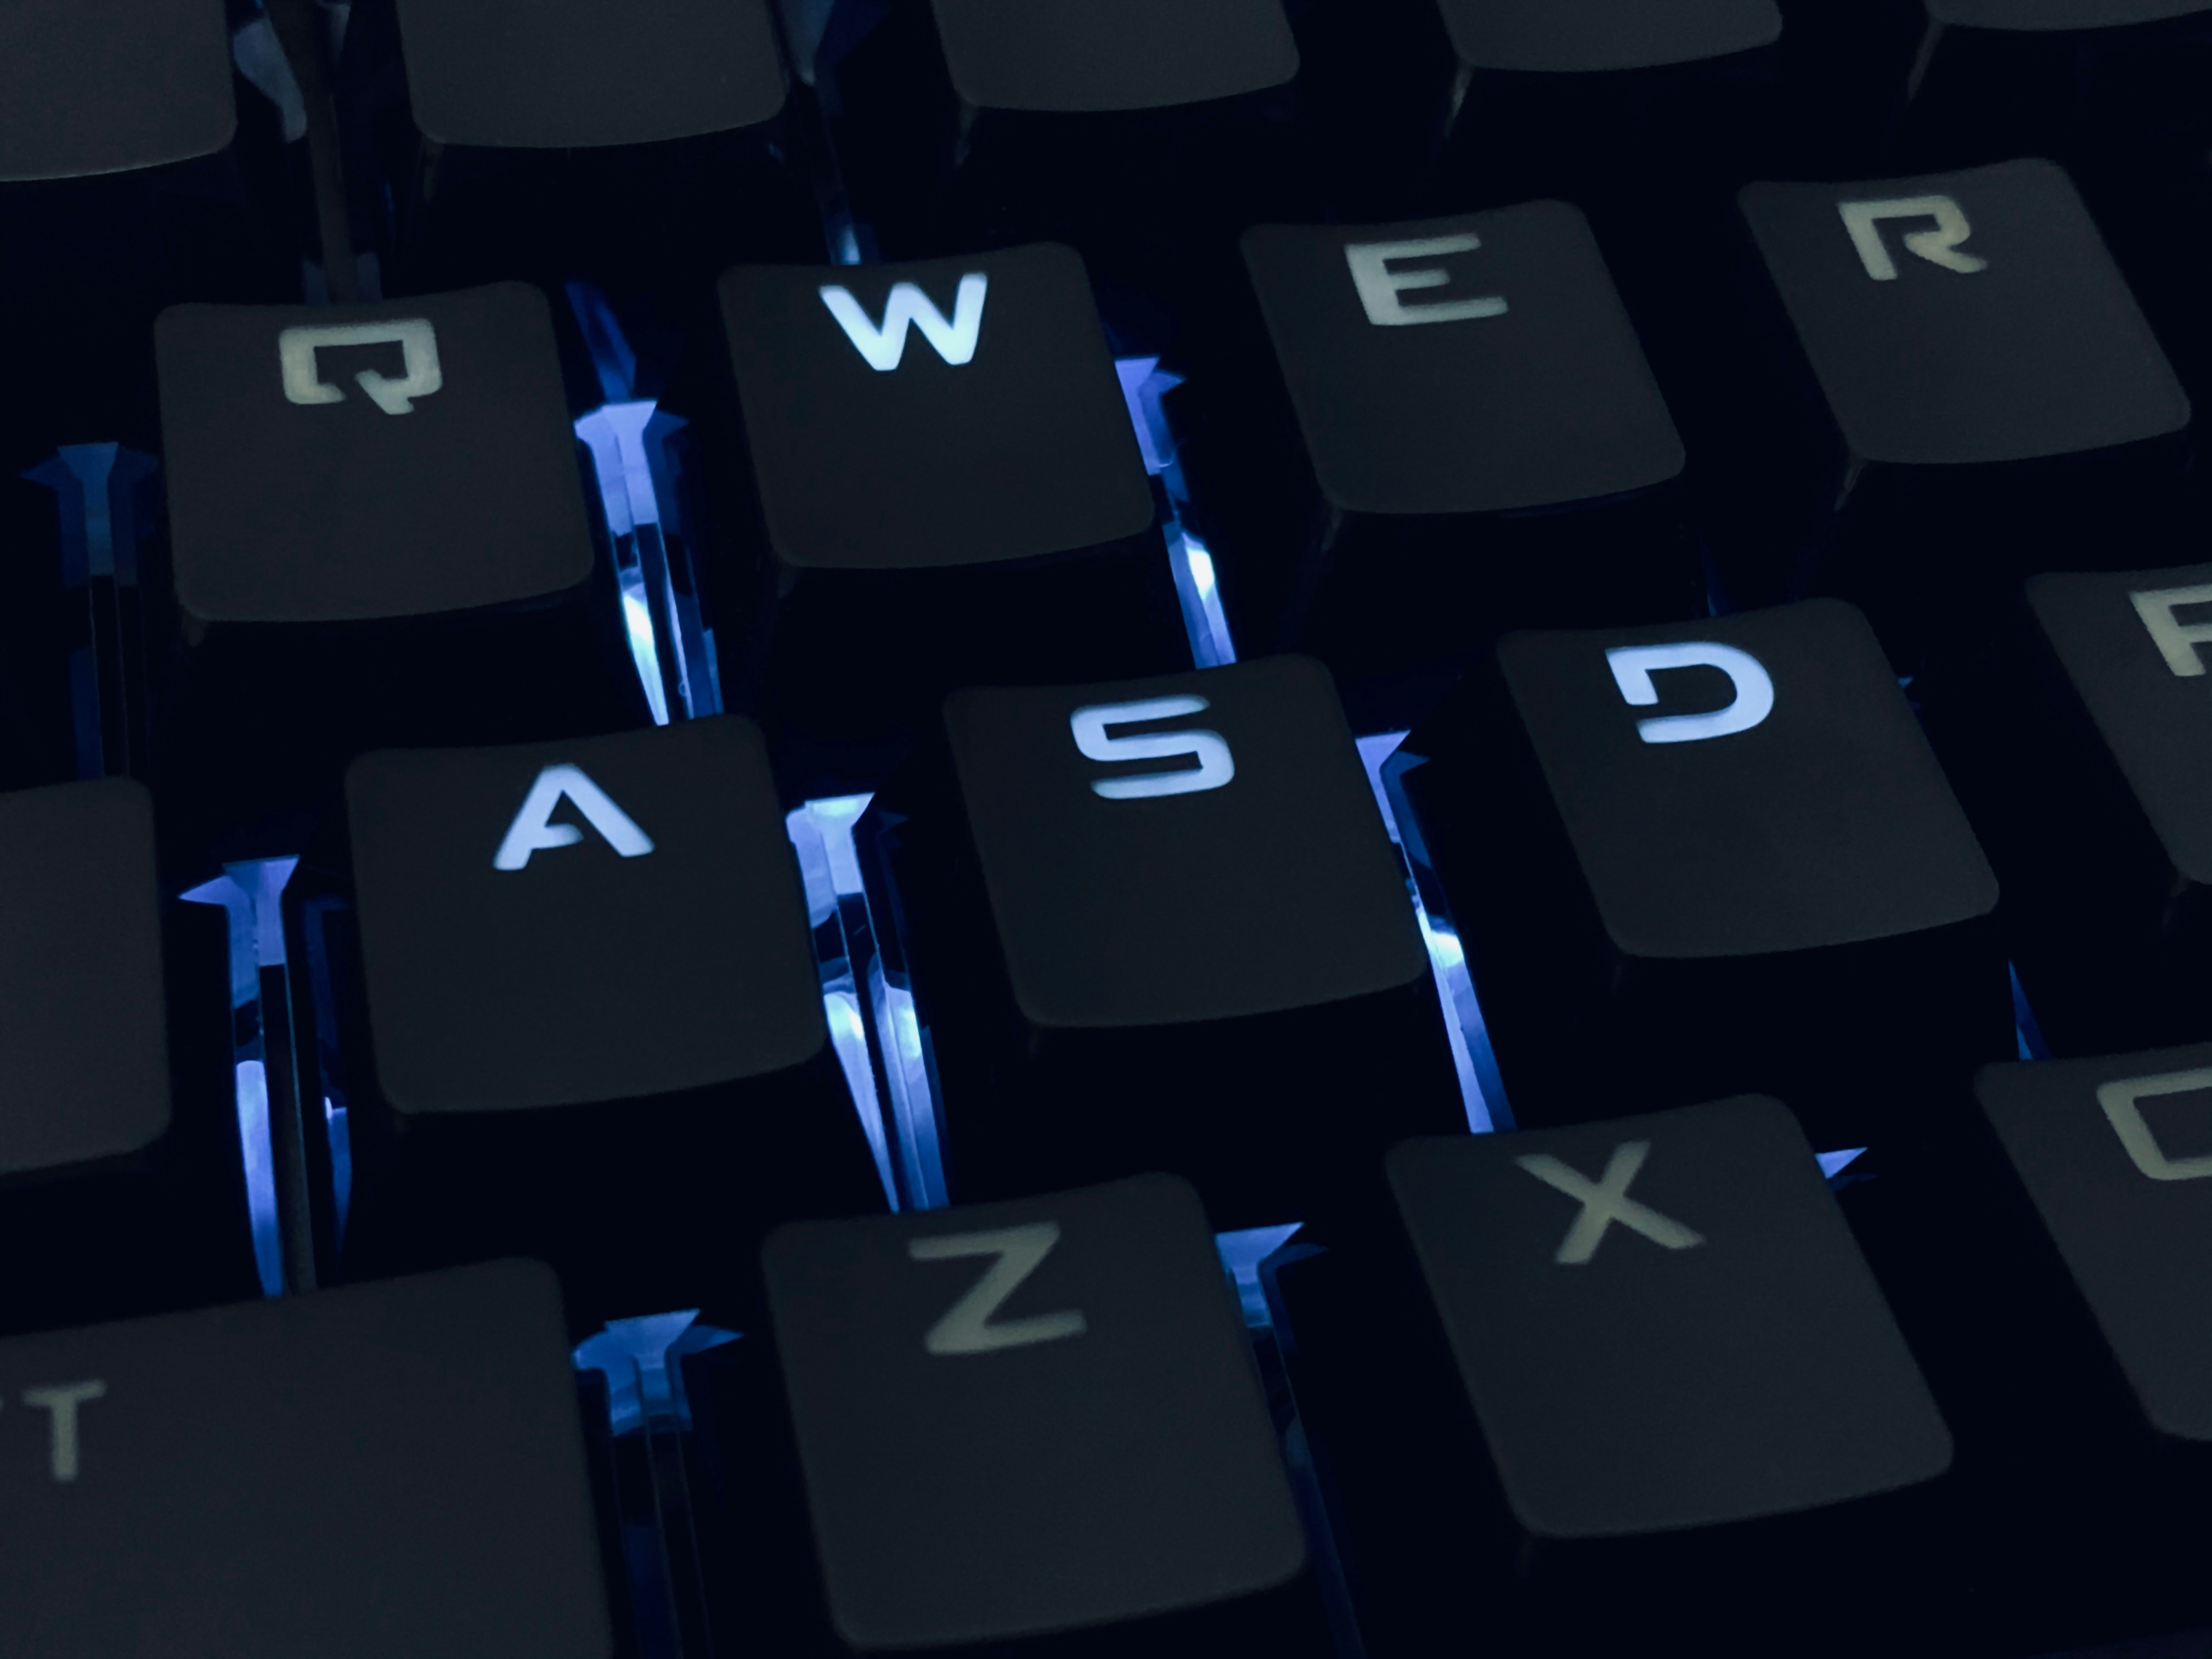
(377, 508)
(1158, 922)
(948, 487)
(135, 172)
(120, 1172)
(1473, 438)
(1145, 132)
(589, 960)
(1989, 395)
(2091, 1371)
(2077, 747)
(394, 1468)
(643, 149)
(1036, 1417)
(1668, 1399)
(1684, 859)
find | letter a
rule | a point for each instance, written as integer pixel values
(884, 347)
(533, 829)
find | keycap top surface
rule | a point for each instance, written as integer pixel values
(1604, 35)
(2154, 722)
(1094, 56)
(1024, 450)
(1754, 1371)
(1826, 822)
(2133, 1241)
(83, 1038)
(2044, 15)
(393, 1468)
(583, 974)
(1276, 889)
(2040, 351)
(1547, 400)
(337, 510)
(107, 86)
(1124, 1469)
(526, 74)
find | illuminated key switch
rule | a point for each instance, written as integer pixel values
(386, 1469)
(119, 1159)
(1017, 1426)
(947, 491)
(642, 149)
(1631, 1376)
(1158, 924)
(587, 1021)
(1687, 859)
(378, 509)
(1976, 396)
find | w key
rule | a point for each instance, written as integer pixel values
(394, 1468)
(1032, 1418)
(590, 960)
(1158, 923)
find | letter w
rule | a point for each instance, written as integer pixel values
(533, 829)
(884, 347)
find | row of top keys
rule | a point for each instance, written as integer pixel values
(943, 485)
(1665, 1363)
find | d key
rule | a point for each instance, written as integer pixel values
(588, 960)
(1028, 1417)
(1159, 922)
(1725, 838)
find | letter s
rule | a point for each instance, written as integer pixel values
(1214, 767)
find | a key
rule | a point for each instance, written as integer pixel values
(391, 1468)
(121, 1185)
(1684, 859)
(642, 149)
(1027, 1418)
(2077, 749)
(589, 960)
(378, 535)
(135, 171)
(1147, 133)
(2094, 1380)
(1158, 923)
(1984, 396)
(1668, 1401)
(1474, 437)
(948, 490)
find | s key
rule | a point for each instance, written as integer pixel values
(1159, 923)
(1668, 1403)
(949, 490)
(590, 960)
(1726, 841)
(1470, 435)
(1989, 399)
(375, 514)
(393, 1468)
(1014, 1419)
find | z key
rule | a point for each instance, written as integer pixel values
(1159, 924)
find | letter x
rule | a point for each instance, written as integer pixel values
(1605, 1202)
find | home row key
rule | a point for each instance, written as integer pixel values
(1158, 924)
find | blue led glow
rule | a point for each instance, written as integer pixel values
(1144, 382)
(642, 1361)
(1481, 1088)
(1242, 1252)
(1833, 1164)
(251, 894)
(2027, 1035)
(337, 1134)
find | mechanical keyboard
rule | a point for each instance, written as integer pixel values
(1051, 828)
